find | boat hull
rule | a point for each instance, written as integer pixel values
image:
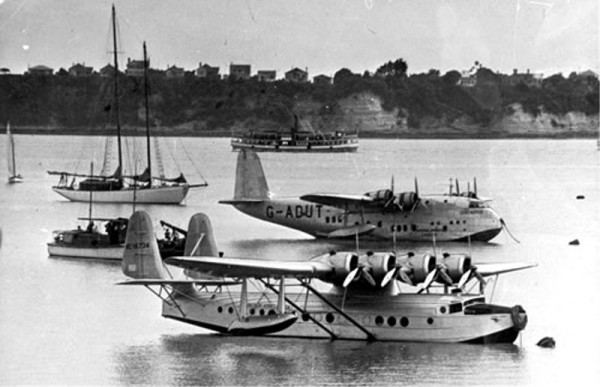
(407, 317)
(15, 179)
(351, 147)
(113, 253)
(154, 195)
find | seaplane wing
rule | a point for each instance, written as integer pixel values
(250, 268)
(488, 269)
(336, 200)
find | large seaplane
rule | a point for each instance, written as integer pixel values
(381, 214)
(365, 301)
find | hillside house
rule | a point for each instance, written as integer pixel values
(239, 71)
(322, 80)
(40, 70)
(529, 79)
(80, 70)
(266, 75)
(135, 68)
(297, 75)
(175, 72)
(207, 71)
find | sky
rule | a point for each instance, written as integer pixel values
(322, 36)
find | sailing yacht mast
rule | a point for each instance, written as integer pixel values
(116, 77)
(147, 116)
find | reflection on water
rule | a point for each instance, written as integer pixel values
(217, 360)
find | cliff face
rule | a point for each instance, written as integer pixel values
(364, 111)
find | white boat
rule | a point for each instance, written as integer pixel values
(144, 188)
(296, 141)
(13, 176)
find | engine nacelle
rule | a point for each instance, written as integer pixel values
(382, 195)
(421, 266)
(407, 200)
(343, 264)
(456, 265)
(378, 264)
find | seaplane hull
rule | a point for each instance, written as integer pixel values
(154, 195)
(409, 317)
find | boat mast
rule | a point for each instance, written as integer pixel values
(91, 190)
(147, 114)
(116, 77)
(13, 172)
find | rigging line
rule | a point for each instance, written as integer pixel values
(172, 153)
(192, 162)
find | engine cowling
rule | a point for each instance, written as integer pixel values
(382, 195)
(420, 267)
(343, 264)
(407, 200)
(456, 265)
(378, 264)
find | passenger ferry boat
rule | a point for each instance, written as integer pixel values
(296, 141)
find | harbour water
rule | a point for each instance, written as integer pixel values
(64, 321)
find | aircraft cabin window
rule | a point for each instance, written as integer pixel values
(404, 322)
(379, 224)
(392, 321)
(329, 318)
(429, 320)
(413, 227)
(378, 320)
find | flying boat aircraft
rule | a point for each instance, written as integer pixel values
(365, 301)
(382, 214)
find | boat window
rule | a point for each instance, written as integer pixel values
(455, 307)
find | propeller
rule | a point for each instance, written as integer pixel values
(350, 277)
(470, 274)
(457, 186)
(428, 281)
(390, 275)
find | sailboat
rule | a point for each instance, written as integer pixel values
(104, 238)
(119, 188)
(13, 176)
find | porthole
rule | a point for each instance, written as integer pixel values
(230, 310)
(329, 318)
(305, 317)
(442, 309)
(271, 312)
(404, 321)
(429, 320)
(220, 309)
(392, 321)
(252, 311)
(378, 320)
(261, 312)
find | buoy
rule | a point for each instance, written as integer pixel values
(574, 242)
(547, 342)
(580, 197)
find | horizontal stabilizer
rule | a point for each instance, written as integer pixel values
(352, 231)
(336, 200)
(241, 201)
(180, 282)
(488, 269)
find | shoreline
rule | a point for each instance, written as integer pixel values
(366, 135)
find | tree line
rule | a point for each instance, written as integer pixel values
(62, 101)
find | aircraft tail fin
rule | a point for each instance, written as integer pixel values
(250, 180)
(141, 259)
(200, 240)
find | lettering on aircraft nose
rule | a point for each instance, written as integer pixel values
(297, 212)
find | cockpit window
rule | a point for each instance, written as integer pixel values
(455, 308)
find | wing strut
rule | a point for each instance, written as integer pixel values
(298, 308)
(370, 336)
